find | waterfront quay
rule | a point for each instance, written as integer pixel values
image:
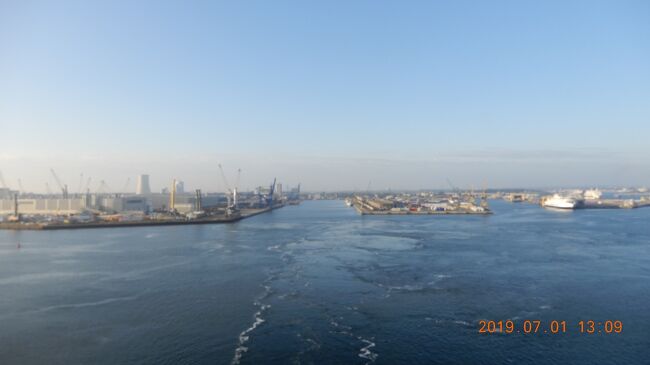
(420, 204)
(614, 204)
(144, 221)
(173, 206)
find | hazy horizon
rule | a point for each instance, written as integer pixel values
(330, 95)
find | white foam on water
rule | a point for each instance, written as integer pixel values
(343, 328)
(315, 345)
(244, 336)
(274, 248)
(365, 352)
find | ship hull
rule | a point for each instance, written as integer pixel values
(558, 202)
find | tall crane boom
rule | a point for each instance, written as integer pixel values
(453, 187)
(102, 188)
(63, 187)
(225, 180)
(269, 199)
(231, 194)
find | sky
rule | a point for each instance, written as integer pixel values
(335, 95)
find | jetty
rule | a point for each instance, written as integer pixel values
(421, 206)
(179, 221)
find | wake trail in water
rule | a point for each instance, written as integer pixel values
(364, 351)
(258, 320)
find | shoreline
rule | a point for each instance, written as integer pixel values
(245, 213)
(363, 211)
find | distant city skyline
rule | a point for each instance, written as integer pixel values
(331, 95)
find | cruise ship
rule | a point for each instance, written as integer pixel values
(560, 202)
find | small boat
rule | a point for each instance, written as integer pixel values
(348, 202)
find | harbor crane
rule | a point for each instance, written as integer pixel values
(269, 199)
(453, 188)
(231, 193)
(63, 187)
(103, 188)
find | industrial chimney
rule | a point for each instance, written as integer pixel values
(143, 185)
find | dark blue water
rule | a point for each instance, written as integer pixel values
(319, 284)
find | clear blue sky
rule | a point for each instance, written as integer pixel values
(331, 94)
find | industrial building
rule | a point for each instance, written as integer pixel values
(124, 204)
(173, 200)
(142, 187)
(44, 206)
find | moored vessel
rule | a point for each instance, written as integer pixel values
(559, 202)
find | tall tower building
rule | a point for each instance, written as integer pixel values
(143, 185)
(180, 187)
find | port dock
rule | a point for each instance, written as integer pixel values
(243, 214)
(420, 205)
(613, 204)
(173, 206)
(363, 211)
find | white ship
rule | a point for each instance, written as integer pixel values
(560, 202)
(348, 202)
